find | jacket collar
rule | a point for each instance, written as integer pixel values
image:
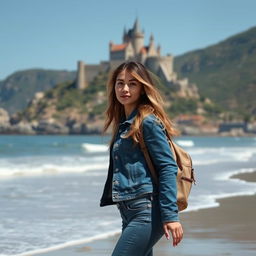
(131, 117)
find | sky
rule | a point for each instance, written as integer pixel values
(55, 34)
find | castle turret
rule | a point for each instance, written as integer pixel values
(151, 39)
(110, 45)
(81, 82)
(158, 50)
(151, 48)
(137, 37)
(125, 38)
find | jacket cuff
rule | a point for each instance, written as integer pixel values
(170, 218)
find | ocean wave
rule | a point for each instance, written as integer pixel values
(94, 148)
(71, 243)
(185, 143)
(35, 166)
(203, 156)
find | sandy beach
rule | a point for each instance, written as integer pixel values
(225, 230)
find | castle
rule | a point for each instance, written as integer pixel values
(133, 48)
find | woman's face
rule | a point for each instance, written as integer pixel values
(128, 91)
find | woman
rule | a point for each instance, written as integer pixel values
(148, 210)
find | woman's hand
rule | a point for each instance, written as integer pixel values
(176, 230)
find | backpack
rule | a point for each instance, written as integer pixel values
(185, 174)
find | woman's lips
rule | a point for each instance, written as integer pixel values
(125, 96)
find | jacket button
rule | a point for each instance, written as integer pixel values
(116, 157)
(116, 170)
(115, 182)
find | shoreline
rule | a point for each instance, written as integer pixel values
(249, 135)
(247, 176)
(221, 224)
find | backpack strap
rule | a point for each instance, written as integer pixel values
(147, 157)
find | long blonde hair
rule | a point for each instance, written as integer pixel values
(150, 102)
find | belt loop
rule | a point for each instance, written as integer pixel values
(118, 206)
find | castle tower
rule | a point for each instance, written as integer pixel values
(137, 37)
(81, 82)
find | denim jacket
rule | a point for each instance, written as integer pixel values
(128, 174)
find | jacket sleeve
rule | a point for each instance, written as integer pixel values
(165, 165)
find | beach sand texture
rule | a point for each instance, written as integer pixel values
(229, 229)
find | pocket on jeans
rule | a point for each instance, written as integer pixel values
(139, 204)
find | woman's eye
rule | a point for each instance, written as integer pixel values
(132, 84)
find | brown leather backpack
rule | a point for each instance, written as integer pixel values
(185, 175)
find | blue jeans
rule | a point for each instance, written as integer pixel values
(142, 226)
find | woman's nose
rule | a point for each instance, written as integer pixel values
(125, 87)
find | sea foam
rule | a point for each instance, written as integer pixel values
(71, 243)
(47, 165)
(185, 143)
(94, 148)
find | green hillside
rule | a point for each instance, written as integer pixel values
(225, 72)
(69, 105)
(17, 90)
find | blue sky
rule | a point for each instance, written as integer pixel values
(54, 34)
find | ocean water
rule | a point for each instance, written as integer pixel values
(50, 186)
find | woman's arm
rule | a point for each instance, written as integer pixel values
(165, 165)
